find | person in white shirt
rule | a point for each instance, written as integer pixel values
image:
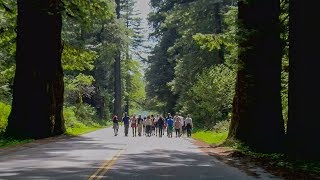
(156, 124)
(182, 128)
(149, 126)
(189, 125)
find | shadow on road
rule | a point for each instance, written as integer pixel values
(71, 158)
(80, 157)
(176, 165)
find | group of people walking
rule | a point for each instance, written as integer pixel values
(155, 125)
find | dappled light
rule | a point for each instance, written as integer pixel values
(158, 89)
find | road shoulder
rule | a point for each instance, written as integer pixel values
(251, 166)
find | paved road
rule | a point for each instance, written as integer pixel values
(100, 155)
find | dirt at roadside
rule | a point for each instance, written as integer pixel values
(251, 166)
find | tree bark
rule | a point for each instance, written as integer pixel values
(257, 112)
(117, 74)
(303, 121)
(218, 30)
(38, 84)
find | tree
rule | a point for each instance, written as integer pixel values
(257, 113)
(303, 122)
(117, 75)
(161, 63)
(38, 83)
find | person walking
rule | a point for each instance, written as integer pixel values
(152, 125)
(156, 126)
(166, 123)
(140, 124)
(177, 126)
(182, 123)
(115, 125)
(189, 125)
(126, 120)
(170, 126)
(134, 125)
(145, 125)
(160, 125)
(149, 126)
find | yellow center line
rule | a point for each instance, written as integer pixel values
(114, 159)
(106, 166)
(100, 169)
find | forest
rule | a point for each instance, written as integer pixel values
(245, 65)
(92, 35)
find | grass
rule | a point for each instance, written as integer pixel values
(81, 130)
(85, 128)
(7, 142)
(210, 136)
(276, 160)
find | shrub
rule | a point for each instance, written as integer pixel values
(86, 113)
(210, 98)
(4, 114)
(222, 126)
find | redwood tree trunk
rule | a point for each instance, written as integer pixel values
(257, 112)
(38, 84)
(218, 28)
(304, 96)
(117, 74)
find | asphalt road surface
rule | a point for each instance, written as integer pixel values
(101, 155)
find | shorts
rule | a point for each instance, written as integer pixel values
(115, 126)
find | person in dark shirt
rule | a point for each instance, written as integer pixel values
(165, 123)
(144, 126)
(115, 125)
(140, 124)
(125, 120)
(160, 125)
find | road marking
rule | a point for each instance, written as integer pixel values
(113, 160)
(105, 167)
(100, 169)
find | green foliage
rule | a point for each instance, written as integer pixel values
(228, 39)
(81, 130)
(134, 85)
(284, 89)
(86, 114)
(82, 119)
(278, 160)
(78, 59)
(210, 98)
(284, 27)
(8, 13)
(210, 136)
(78, 87)
(186, 54)
(190, 58)
(222, 126)
(208, 41)
(7, 141)
(91, 36)
(86, 11)
(4, 114)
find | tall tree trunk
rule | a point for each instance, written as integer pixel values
(38, 84)
(117, 75)
(304, 97)
(218, 30)
(257, 112)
